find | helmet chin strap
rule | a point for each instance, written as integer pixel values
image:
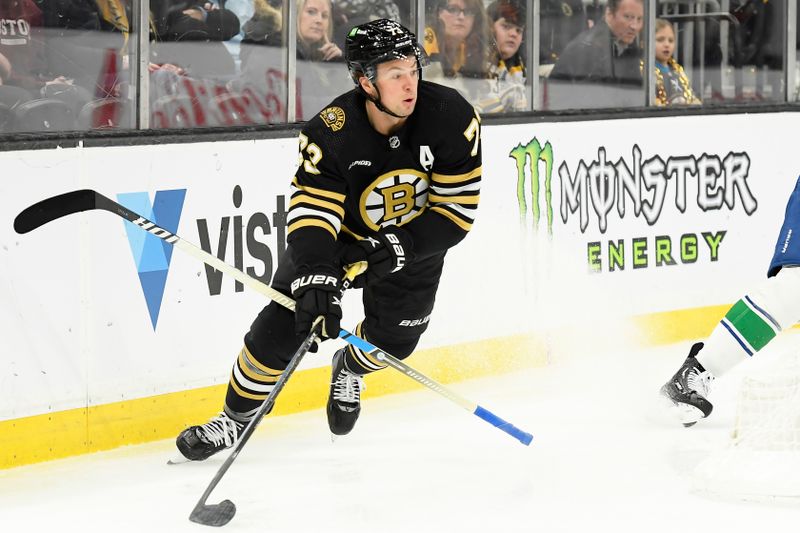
(378, 103)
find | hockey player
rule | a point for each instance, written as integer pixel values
(748, 326)
(388, 173)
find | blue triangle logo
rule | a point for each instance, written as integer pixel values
(151, 254)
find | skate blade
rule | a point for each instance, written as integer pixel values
(177, 460)
(688, 415)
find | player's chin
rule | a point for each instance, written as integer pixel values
(408, 106)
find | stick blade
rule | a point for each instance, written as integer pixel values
(54, 207)
(216, 515)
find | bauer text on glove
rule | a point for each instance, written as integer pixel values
(317, 293)
(387, 252)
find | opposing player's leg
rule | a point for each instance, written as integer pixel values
(268, 347)
(749, 325)
(397, 311)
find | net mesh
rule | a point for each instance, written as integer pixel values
(762, 458)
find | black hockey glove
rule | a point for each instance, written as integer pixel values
(387, 252)
(317, 294)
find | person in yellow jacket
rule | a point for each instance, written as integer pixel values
(507, 85)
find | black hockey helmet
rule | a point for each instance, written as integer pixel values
(376, 42)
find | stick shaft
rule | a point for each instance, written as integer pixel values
(262, 411)
(52, 208)
(266, 407)
(484, 414)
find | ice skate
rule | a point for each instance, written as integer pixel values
(198, 443)
(344, 402)
(689, 388)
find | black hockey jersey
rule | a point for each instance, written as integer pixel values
(352, 180)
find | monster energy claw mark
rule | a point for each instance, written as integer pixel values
(531, 154)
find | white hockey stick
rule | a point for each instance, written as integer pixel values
(68, 203)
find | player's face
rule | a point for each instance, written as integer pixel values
(397, 81)
(457, 20)
(508, 37)
(665, 44)
(627, 21)
(314, 20)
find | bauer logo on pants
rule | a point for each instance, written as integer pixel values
(152, 254)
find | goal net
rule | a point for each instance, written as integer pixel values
(761, 461)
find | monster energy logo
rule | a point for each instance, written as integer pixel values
(603, 187)
(532, 153)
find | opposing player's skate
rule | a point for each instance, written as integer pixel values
(198, 443)
(344, 401)
(689, 388)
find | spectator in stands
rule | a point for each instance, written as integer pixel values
(267, 20)
(458, 38)
(672, 84)
(314, 31)
(507, 67)
(22, 46)
(762, 43)
(263, 65)
(603, 63)
(70, 15)
(350, 13)
(191, 38)
(88, 40)
(561, 21)
(196, 21)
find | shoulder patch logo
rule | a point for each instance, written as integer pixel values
(333, 117)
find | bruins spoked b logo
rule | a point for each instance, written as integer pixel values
(394, 198)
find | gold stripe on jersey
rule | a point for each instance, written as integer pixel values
(310, 206)
(301, 210)
(308, 199)
(457, 178)
(465, 211)
(456, 219)
(461, 199)
(456, 196)
(312, 222)
(337, 197)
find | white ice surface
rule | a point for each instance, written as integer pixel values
(603, 459)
